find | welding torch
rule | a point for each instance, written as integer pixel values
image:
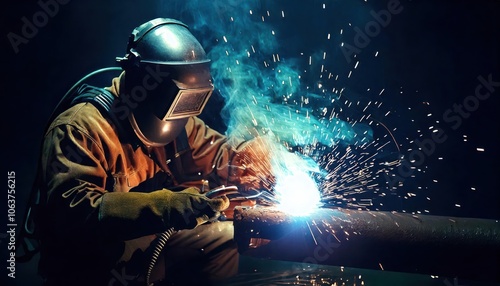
(247, 198)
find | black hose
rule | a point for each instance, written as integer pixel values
(72, 89)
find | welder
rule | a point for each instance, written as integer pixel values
(123, 164)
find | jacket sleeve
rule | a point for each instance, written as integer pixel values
(78, 206)
(246, 164)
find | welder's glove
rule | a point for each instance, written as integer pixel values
(251, 166)
(131, 215)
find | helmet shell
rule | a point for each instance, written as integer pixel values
(163, 57)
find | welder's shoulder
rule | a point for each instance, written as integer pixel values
(84, 117)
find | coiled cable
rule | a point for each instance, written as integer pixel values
(158, 248)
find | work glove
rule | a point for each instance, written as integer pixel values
(131, 215)
(194, 208)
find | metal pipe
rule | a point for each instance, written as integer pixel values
(467, 248)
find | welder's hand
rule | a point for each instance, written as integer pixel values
(252, 166)
(189, 208)
(131, 215)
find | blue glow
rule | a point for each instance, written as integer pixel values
(299, 194)
(295, 190)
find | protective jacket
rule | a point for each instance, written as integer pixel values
(85, 158)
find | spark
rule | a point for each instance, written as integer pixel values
(312, 234)
(316, 225)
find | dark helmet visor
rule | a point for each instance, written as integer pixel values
(188, 102)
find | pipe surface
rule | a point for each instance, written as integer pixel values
(466, 248)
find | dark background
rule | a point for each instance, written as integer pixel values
(433, 51)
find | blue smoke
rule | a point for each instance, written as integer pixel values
(264, 91)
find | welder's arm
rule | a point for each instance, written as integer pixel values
(79, 207)
(245, 164)
(251, 165)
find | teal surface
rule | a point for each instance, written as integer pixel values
(256, 272)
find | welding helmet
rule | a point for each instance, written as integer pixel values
(167, 79)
